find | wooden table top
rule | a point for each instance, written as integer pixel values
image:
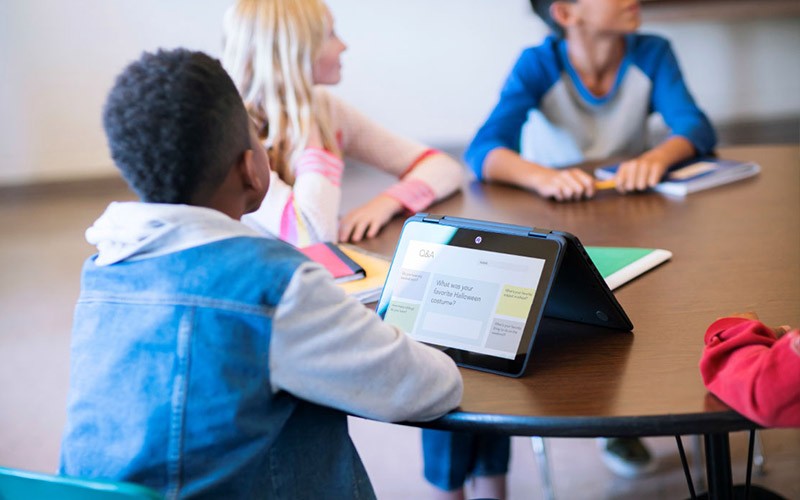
(735, 248)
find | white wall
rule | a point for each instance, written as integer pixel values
(58, 59)
(430, 69)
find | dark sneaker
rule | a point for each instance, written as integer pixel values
(626, 457)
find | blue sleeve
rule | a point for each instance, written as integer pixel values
(671, 97)
(534, 73)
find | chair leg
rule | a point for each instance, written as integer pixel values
(540, 452)
(759, 457)
(699, 472)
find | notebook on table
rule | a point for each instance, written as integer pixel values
(478, 290)
(619, 265)
(341, 266)
(695, 174)
(376, 267)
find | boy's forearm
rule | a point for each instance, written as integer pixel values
(331, 350)
(505, 165)
(672, 150)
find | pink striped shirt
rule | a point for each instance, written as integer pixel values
(307, 211)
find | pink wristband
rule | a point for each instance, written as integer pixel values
(419, 159)
(413, 194)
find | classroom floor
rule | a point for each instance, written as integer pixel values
(41, 252)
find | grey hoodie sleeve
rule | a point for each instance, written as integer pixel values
(329, 349)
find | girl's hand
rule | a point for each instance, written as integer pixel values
(640, 173)
(368, 219)
(564, 185)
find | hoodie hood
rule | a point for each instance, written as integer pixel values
(136, 230)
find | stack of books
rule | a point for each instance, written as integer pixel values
(359, 273)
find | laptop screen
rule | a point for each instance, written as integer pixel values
(477, 294)
(468, 299)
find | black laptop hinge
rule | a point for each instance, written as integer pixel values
(433, 218)
(538, 232)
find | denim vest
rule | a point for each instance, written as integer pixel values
(170, 382)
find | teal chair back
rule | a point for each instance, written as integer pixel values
(24, 485)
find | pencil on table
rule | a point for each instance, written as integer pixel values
(608, 184)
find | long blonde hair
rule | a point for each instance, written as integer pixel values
(269, 50)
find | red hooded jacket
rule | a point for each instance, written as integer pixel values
(753, 372)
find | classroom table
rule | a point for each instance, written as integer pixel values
(735, 248)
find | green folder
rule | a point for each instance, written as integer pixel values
(618, 265)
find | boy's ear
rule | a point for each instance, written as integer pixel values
(254, 175)
(253, 181)
(247, 170)
(562, 13)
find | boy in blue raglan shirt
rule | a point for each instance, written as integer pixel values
(585, 94)
(208, 361)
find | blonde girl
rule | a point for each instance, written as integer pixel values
(280, 53)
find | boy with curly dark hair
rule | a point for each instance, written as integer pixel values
(207, 360)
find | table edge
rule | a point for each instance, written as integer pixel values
(578, 426)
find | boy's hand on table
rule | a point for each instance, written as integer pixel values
(368, 219)
(779, 331)
(564, 185)
(744, 315)
(640, 173)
